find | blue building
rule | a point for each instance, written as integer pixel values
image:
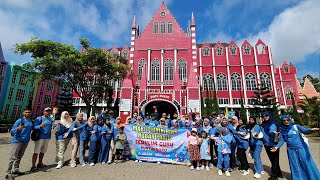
(4, 78)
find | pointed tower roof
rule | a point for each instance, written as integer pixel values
(300, 91)
(134, 25)
(308, 89)
(192, 20)
(260, 42)
(127, 82)
(192, 79)
(143, 81)
(1, 54)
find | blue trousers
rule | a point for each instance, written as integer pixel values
(256, 152)
(104, 150)
(233, 159)
(82, 150)
(223, 161)
(94, 151)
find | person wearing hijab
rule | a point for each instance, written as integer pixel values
(85, 129)
(255, 144)
(269, 130)
(106, 136)
(301, 163)
(128, 121)
(95, 142)
(62, 141)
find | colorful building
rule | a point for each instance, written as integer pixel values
(20, 91)
(4, 73)
(45, 96)
(172, 69)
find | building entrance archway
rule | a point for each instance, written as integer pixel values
(163, 106)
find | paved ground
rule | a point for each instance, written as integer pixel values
(130, 170)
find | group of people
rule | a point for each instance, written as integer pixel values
(213, 141)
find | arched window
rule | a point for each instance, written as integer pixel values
(125, 54)
(155, 70)
(170, 27)
(182, 66)
(208, 82)
(266, 80)
(155, 27)
(288, 91)
(279, 93)
(251, 82)
(219, 51)
(246, 49)
(205, 51)
(236, 82)
(261, 49)
(163, 27)
(142, 63)
(222, 82)
(233, 50)
(168, 70)
(286, 69)
(114, 52)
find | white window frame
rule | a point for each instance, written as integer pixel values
(125, 54)
(265, 80)
(233, 50)
(251, 81)
(208, 82)
(236, 82)
(222, 83)
(168, 70)
(219, 51)
(141, 65)
(155, 70)
(163, 27)
(247, 49)
(261, 49)
(288, 89)
(170, 27)
(182, 67)
(155, 28)
(205, 51)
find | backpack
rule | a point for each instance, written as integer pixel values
(304, 138)
(35, 135)
(22, 123)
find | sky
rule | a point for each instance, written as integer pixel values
(290, 27)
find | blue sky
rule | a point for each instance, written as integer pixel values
(290, 27)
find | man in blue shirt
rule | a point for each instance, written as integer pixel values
(20, 132)
(44, 123)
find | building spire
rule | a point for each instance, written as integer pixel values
(192, 20)
(134, 25)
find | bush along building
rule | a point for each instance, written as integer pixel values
(19, 91)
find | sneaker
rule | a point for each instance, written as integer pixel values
(115, 161)
(227, 173)
(207, 168)
(241, 170)
(158, 162)
(257, 176)
(33, 169)
(91, 164)
(60, 164)
(192, 168)
(210, 165)
(220, 172)
(140, 161)
(263, 172)
(73, 165)
(244, 173)
(83, 164)
(136, 161)
(109, 162)
(103, 163)
(198, 169)
(202, 167)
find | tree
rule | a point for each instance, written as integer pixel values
(311, 108)
(264, 100)
(88, 72)
(295, 115)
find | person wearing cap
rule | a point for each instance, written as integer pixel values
(44, 123)
(20, 132)
(193, 149)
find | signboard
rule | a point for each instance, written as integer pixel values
(167, 97)
(155, 144)
(125, 105)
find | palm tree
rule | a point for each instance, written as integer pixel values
(311, 108)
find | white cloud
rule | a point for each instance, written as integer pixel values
(294, 33)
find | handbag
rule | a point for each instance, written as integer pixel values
(247, 136)
(258, 136)
(35, 135)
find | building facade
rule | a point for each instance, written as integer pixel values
(4, 73)
(45, 96)
(20, 91)
(169, 69)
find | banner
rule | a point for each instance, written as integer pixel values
(155, 144)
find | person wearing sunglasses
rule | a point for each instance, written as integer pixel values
(301, 163)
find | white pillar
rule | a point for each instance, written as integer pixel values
(243, 78)
(200, 62)
(161, 69)
(229, 78)
(283, 94)
(149, 64)
(272, 75)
